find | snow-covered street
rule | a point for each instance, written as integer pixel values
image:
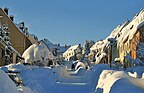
(68, 46)
(100, 79)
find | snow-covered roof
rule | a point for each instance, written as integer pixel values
(129, 31)
(122, 32)
(72, 48)
(50, 45)
(117, 31)
(25, 30)
(36, 52)
(114, 34)
(99, 45)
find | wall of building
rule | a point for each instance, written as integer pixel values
(2, 52)
(18, 40)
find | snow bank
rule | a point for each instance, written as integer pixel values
(99, 79)
(100, 57)
(80, 64)
(39, 80)
(6, 84)
(16, 67)
(58, 80)
(24, 89)
(125, 86)
(106, 80)
(80, 71)
(139, 70)
(116, 82)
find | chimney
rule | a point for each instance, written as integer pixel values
(22, 24)
(6, 10)
(26, 29)
(12, 17)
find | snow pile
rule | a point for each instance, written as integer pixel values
(106, 81)
(135, 75)
(38, 53)
(136, 70)
(15, 67)
(99, 79)
(6, 84)
(39, 80)
(80, 71)
(57, 79)
(95, 72)
(67, 64)
(118, 82)
(61, 72)
(24, 89)
(100, 57)
(80, 64)
(71, 50)
(99, 46)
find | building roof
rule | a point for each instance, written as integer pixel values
(26, 33)
(123, 32)
(129, 31)
(72, 48)
(59, 48)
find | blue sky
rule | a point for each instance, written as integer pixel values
(72, 21)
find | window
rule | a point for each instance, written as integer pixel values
(2, 52)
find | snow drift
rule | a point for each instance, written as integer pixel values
(112, 81)
(6, 84)
(38, 53)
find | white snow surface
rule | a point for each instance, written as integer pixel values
(123, 32)
(6, 84)
(57, 79)
(99, 79)
(36, 52)
(119, 82)
(59, 48)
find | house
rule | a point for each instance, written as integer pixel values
(73, 53)
(20, 41)
(131, 36)
(7, 53)
(56, 49)
(123, 41)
